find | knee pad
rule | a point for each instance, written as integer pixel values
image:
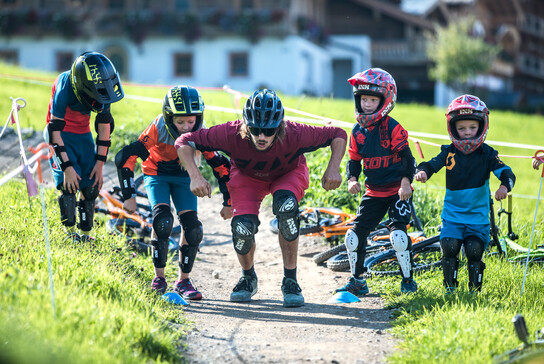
(474, 249)
(90, 193)
(192, 228)
(356, 248)
(86, 208)
(401, 243)
(160, 252)
(163, 220)
(244, 228)
(192, 231)
(67, 205)
(285, 207)
(450, 263)
(86, 214)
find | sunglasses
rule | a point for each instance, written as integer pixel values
(268, 132)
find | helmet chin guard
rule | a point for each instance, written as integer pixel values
(467, 107)
(373, 82)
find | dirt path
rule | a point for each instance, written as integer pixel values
(262, 331)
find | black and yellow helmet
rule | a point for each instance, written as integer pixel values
(182, 100)
(95, 81)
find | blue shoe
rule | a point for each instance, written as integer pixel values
(355, 286)
(292, 294)
(450, 290)
(244, 289)
(408, 285)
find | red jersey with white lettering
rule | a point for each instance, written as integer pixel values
(377, 147)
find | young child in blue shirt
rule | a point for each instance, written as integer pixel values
(465, 215)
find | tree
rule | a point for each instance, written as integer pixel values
(458, 55)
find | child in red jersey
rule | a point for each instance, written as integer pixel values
(381, 143)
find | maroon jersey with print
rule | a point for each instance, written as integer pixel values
(282, 157)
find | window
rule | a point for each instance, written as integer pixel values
(182, 5)
(8, 2)
(239, 64)
(116, 4)
(10, 57)
(64, 61)
(247, 4)
(183, 65)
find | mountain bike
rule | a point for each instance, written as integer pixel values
(505, 244)
(136, 227)
(377, 240)
(528, 352)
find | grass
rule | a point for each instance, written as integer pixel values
(104, 311)
(105, 314)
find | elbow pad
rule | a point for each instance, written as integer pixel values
(137, 148)
(508, 179)
(408, 164)
(56, 125)
(126, 179)
(104, 119)
(354, 169)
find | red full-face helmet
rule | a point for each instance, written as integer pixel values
(467, 107)
(374, 82)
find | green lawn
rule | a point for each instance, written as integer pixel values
(104, 313)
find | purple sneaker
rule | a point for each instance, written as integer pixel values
(159, 285)
(186, 290)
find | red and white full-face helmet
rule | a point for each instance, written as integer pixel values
(472, 108)
(374, 82)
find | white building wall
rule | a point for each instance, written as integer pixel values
(291, 65)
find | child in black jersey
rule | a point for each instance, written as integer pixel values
(381, 143)
(468, 161)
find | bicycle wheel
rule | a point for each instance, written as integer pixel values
(340, 261)
(329, 253)
(426, 255)
(525, 354)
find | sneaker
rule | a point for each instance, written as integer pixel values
(73, 237)
(292, 296)
(159, 285)
(408, 285)
(450, 290)
(356, 286)
(186, 290)
(244, 289)
(87, 238)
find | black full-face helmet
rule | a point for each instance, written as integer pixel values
(182, 100)
(263, 110)
(95, 81)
